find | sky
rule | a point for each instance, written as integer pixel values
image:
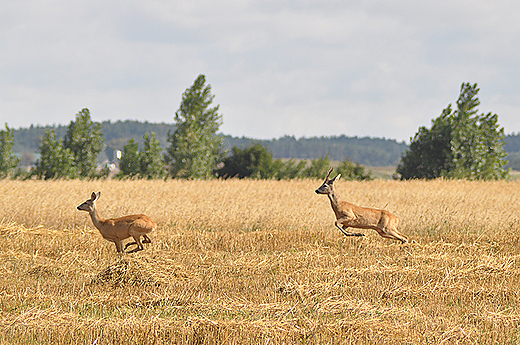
(276, 67)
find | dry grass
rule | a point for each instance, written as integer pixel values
(260, 262)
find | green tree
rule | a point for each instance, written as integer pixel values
(8, 160)
(429, 155)
(253, 161)
(129, 164)
(288, 170)
(353, 171)
(150, 158)
(195, 147)
(256, 161)
(318, 168)
(84, 138)
(460, 144)
(477, 143)
(55, 160)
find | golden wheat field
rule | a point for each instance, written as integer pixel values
(260, 262)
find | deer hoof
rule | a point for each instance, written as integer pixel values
(134, 250)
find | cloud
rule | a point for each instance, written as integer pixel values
(301, 68)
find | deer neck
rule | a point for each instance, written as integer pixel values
(96, 219)
(334, 199)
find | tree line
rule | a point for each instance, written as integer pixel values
(368, 151)
(195, 150)
(460, 144)
(364, 150)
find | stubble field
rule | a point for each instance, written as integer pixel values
(260, 262)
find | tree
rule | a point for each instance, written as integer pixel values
(129, 164)
(256, 161)
(145, 163)
(84, 138)
(353, 171)
(477, 141)
(460, 144)
(55, 160)
(318, 168)
(253, 161)
(195, 147)
(429, 155)
(8, 160)
(288, 170)
(150, 158)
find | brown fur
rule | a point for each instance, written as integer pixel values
(350, 215)
(118, 229)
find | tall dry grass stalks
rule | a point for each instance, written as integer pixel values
(260, 262)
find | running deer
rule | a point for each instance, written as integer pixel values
(350, 215)
(118, 229)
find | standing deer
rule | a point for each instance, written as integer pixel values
(350, 215)
(118, 229)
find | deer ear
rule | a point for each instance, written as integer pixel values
(95, 196)
(336, 178)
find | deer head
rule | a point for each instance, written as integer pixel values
(89, 204)
(328, 185)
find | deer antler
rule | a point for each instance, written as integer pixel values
(328, 174)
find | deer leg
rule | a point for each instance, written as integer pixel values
(392, 234)
(119, 245)
(130, 243)
(343, 228)
(146, 239)
(137, 249)
(397, 235)
(138, 242)
(387, 228)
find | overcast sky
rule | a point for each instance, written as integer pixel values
(276, 67)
